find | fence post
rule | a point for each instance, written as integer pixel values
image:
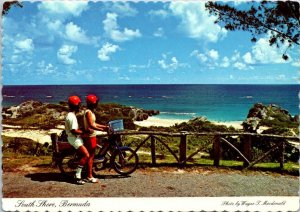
(217, 150)
(182, 148)
(247, 144)
(153, 150)
(281, 152)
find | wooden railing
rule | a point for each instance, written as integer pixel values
(217, 138)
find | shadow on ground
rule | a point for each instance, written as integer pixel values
(59, 177)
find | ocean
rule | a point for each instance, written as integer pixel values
(216, 102)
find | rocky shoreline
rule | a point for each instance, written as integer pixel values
(37, 114)
(57, 112)
(271, 116)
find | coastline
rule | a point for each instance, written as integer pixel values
(160, 122)
(43, 136)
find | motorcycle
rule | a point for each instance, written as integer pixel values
(109, 153)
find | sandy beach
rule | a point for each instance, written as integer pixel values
(38, 135)
(154, 121)
(43, 136)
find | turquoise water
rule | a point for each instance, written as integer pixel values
(216, 102)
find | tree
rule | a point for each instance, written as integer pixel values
(8, 4)
(279, 18)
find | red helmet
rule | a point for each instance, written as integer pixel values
(92, 99)
(74, 100)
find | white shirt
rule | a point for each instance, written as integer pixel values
(71, 123)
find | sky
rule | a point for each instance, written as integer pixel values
(87, 42)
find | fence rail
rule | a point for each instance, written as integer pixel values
(218, 138)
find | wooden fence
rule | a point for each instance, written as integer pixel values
(181, 153)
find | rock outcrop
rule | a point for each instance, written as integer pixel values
(267, 115)
(21, 110)
(135, 114)
(58, 112)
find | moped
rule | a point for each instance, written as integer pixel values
(109, 153)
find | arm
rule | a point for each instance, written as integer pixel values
(76, 131)
(94, 125)
(103, 127)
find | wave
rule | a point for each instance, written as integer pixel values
(7, 96)
(179, 113)
(247, 97)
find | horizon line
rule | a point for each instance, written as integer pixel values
(146, 84)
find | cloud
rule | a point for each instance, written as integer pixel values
(126, 78)
(111, 28)
(65, 52)
(121, 8)
(25, 45)
(248, 58)
(18, 53)
(296, 63)
(159, 32)
(113, 69)
(211, 59)
(196, 21)
(134, 68)
(44, 68)
(170, 64)
(53, 25)
(281, 77)
(236, 56)
(76, 34)
(213, 54)
(201, 57)
(264, 53)
(63, 9)
(240, 65)
(160, 13)
(225, 62)
(208, 58)
(106, 50)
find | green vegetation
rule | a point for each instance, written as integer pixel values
(48, 116)
(23, 146)
(279, 121)
(18, 152)
(199, 124)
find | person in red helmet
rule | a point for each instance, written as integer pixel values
(91, 125)
(74, 133)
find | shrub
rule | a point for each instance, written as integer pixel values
(23, 146)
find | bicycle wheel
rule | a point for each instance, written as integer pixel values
(68, 165)
(125, 161)
(98, 167)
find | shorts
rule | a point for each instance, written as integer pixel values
(91, 143)
(76, 142)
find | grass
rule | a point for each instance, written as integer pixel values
(21, 153)
(15, 161)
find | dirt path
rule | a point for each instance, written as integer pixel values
(150, 182)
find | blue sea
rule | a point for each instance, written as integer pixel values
(216, 102)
